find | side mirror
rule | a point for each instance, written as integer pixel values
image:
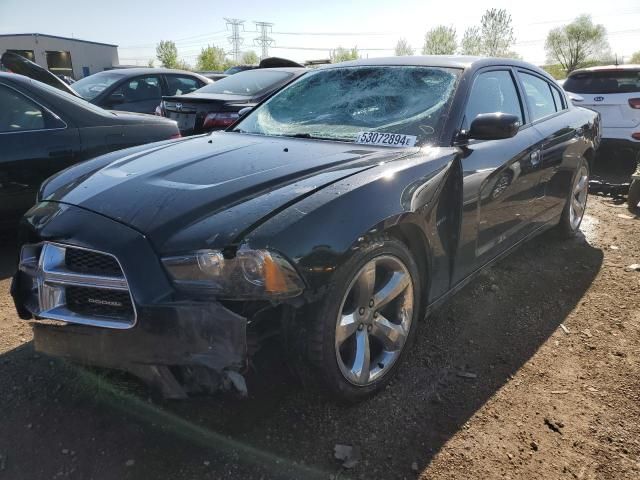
(244, 111)
(116, 98)
(493, 126)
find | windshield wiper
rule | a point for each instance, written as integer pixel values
(314, 137)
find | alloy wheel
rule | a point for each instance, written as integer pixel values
(374, 320)
(578, 201)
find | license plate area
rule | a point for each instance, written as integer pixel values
(186, 121)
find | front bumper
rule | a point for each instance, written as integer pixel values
(178, 345)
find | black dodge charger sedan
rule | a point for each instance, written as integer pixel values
(336, 215)
(44, 130)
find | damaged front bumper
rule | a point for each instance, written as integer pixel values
(104, 300)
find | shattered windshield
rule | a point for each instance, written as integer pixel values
(341, 103)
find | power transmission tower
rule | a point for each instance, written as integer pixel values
(235, 39)
(264, 40)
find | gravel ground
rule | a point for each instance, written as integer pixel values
(532, 371)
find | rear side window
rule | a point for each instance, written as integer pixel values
(141, 88)
(558, 98)
(18, 113)
(539, 97)
(619, 81)
(492, 92)
(177, 85)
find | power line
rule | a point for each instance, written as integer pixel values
(235, 39)
(264, 40)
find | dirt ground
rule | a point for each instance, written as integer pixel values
(531, 372)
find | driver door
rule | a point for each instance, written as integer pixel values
(501, 178)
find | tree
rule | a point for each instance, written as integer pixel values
(150, 63)
(635, 58)
(472, 42)
(496, 33)
(343, 55)
(250, 58)
(440, 40)
(212, 58)
(403, 48)
(182, 65)
(167, 53)
(577, 43)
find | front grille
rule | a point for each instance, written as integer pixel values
(77, 285)
(99, 303)
(92, 263)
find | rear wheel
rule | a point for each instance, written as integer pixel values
(576, 203)
(367, 321)
(634, 195)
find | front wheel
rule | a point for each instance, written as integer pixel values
(367, 321)
(576, 203)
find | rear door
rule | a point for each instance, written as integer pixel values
(615, 94)
(139, 94)
(547, 108)
(35, 143)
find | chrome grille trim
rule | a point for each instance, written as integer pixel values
(45, 264)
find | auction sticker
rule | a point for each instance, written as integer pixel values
(386, 139)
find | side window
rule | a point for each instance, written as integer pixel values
(140, 89)
(558, 99)
(177, 85)
(492, 92)
(538, 94)
(18, 113)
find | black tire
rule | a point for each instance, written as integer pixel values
(633, 198)
(321, 340)
(565, 228)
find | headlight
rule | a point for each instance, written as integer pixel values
(254, 274)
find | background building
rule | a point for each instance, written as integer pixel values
(62, 56)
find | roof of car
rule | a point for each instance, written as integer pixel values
(604, 68)
(446, 61)
(143, 70)
(276, 69)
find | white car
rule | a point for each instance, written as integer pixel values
(614, 91)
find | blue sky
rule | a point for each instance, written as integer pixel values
(313, 27)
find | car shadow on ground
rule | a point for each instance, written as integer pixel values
(465, 352)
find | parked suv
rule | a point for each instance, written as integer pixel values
(614, 92)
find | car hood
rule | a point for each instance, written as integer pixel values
(166, 190)
(18, 64)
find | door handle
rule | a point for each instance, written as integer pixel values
(535, 158)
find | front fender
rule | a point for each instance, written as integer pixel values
(322, 231)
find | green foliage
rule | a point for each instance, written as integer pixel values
(212, 58)
(182, 65)
(496, 33)
(493, 38)
(403, 48)
(472, 42)
(343, 55)
(440, 40)
(250, 58)
(556, 71)
(577, 43)
(635, 58)
(167, 53)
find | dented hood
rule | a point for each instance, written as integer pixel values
(209, 189)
